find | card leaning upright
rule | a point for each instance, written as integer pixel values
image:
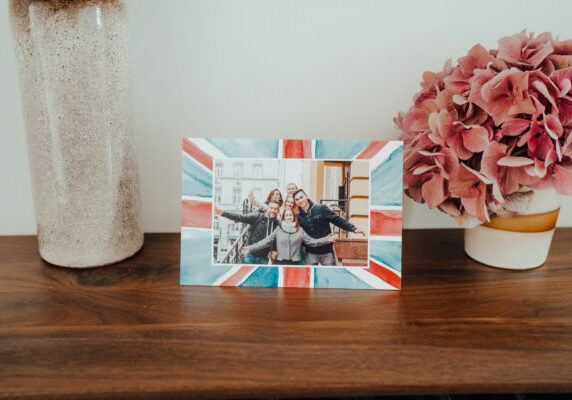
(291, 213)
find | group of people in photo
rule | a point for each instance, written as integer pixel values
(289, 231)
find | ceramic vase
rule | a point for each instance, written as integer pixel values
(77, 105)
(518, 242)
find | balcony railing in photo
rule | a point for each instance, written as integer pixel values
(233, 256)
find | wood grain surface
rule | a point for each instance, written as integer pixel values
(130, 331)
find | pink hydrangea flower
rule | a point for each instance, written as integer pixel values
(471, 187)
(505, 95)
(507, 172)
(496, 122)
(525, 51)
(464, 140)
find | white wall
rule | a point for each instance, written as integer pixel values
(296, 69)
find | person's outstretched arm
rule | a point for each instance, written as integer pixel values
(310, 241)
(246, 218)
(340, 222)
(256, 203)
(261, 244)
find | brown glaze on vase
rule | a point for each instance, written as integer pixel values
(77, 105)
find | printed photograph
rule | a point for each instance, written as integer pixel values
(296, 212)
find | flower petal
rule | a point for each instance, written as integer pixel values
(450, 208)
(510, 161)
(540, 168)
(506, 95)
(445, 124)
(541, 87)
(417, 118)
(423, 168)
(478, 57)
(565, 87)
(456, 144)
(460, 100)
(434, 191)
(475, 138)
(462, 184)
(563, 180)
(567, 148)
(494, 152)
(543, 183)
(514, 126)
(542, 52)
(448, 162)
(476, 206)
(510, 46)
(553, 126)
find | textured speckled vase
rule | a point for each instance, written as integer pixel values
(77, 105)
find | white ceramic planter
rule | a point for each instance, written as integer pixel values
(520, 242)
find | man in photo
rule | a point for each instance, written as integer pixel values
(290, 189)
(263, 224)
(315, 219)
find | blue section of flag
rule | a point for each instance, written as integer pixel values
(196, 180)
(387, 181)
(386, 252)
(337, 278)
(247, 148)
(339, 149)
(262, 276)
(196, 268)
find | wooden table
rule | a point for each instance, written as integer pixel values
(130, 331)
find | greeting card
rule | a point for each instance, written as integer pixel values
(291, 213)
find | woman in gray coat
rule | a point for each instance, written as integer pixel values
(289, 237)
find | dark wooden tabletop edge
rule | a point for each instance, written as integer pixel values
(297, 392)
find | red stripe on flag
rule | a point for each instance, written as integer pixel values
(384, 274)
(297, 148)
(238, 276)
(194, 151)
(386, 222)
(197, 214)
(371, 150)
(297, 277)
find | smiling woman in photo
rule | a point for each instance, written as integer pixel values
(288, 237)
(274, 196)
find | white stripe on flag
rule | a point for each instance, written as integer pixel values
(208, 148)
(312, 274)
(187, 231)
(198, 198)
(196, 162)
(230, 273)
(313, 155)
(369, 278)
(386, 238)
(386, 266)
(382, 155)
(224, 277)
(388, 208)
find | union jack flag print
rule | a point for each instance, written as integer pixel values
(385, 214)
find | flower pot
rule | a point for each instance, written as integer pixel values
(519, 242)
